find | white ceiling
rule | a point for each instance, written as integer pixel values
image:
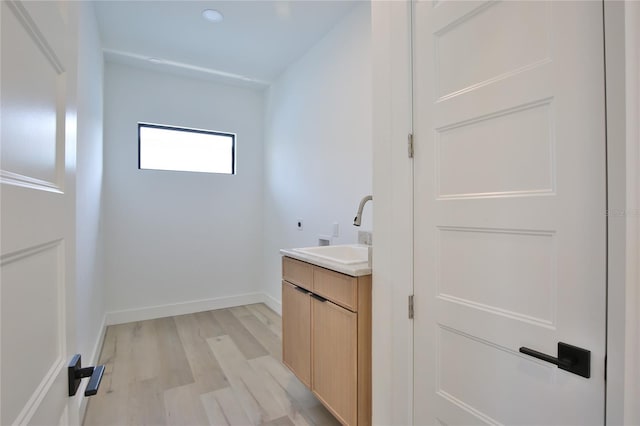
(256, 41)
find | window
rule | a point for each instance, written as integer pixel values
(186, 150)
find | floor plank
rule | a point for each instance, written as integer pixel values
(174, 367)
(321, 416)
(286, 379)
(240, 311)
(231, 407)
(271, 342)
(148, 405)
(144, 351)
(110, 408)
(214, 411)
(247, 344)
(242, 376)
(206, 371)
(207, 324)
(210, 368)
(292, 408)
(282, 421)
(268, 317)
(183, 406)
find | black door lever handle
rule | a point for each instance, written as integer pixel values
(570, 358)
(567, 362)
(94, 381)
(76, 373)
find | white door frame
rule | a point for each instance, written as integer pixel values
(622, 42)
(393, 212)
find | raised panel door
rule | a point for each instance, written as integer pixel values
(510, 210)
(37, 201)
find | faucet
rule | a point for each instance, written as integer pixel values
(358, 219)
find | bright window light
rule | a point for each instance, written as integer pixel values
(186, 150)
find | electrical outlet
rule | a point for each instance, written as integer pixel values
(335, 230)
(299, 224)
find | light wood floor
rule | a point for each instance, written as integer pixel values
(219, 367)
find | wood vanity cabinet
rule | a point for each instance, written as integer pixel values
(296, 325)
(326, 337)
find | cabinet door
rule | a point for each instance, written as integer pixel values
(335, 359)
(296, 329)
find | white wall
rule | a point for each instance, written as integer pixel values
(89, 236)
(318, 159)
(178, 242)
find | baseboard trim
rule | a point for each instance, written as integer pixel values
(273, 303)
(182, 308)
(97, 347)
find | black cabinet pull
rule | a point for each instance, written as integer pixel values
(319, 298)
(570, 358)
(301, 289)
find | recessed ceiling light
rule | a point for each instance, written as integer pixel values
(212, 15)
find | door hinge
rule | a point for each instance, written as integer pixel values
(410, 145)
(411, 306)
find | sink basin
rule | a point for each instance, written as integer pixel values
(345, 254)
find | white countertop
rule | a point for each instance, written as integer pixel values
(354, 270)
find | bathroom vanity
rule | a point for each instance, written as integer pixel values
(326, 332)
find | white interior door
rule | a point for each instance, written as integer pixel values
(37, 204)
(509, 210)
